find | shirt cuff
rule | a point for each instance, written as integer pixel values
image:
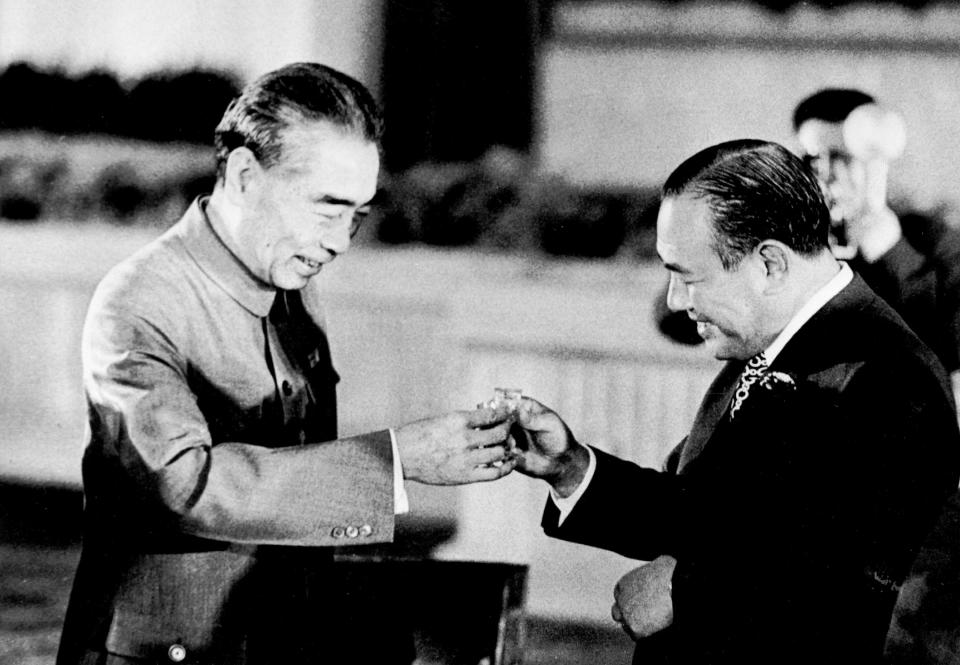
(401, 505)
(566, 504)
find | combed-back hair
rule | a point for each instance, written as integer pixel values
(830, 105)
(756, 191)
(301, 92)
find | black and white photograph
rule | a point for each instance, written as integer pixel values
(439, 332)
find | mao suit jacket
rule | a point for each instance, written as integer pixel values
(794, 522)
(215, 485)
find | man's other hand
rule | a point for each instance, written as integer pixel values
(643, 604)
(456, 448)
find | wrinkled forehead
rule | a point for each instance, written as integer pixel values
(821, 138)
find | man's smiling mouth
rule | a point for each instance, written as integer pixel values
(310, 263)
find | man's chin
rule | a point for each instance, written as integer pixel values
(293, 280)
(717, 350)
(720, 347)
(289, 283)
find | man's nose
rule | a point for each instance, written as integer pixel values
(677, 297)
(336, 240)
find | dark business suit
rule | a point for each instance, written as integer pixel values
(215, 485)
(925, 629)
(793, 523)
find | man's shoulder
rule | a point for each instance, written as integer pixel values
(887, 363)
(148, 278)
(865, 325)
(859, 340)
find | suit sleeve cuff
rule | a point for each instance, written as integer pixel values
(566, 504)
(401, 504)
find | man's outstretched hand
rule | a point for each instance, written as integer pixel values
(457, 448)
(545, 447)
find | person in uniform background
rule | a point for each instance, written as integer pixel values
(215, 482)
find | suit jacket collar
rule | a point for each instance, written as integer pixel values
(817, 344)
(810, 349)
(220, 264)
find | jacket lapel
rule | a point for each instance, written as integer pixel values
(805, 353)
(713, 407)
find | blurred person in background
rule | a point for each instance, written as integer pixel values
(215, 483)
(781, 526)
(911, 260)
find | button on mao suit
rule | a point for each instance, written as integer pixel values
(215, 485)
(793, 523)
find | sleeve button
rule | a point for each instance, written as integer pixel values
(177, 653)
(352, 531)
(366, 530)
(338, 532)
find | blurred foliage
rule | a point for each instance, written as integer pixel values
(45, 176)
(182, 106)
(500, 202)
(91, 147)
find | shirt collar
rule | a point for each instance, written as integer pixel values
(221, 265)
(811, 307)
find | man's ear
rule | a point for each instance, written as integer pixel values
(775, 258)
(241, 172)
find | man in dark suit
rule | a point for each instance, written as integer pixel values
(780, 527)
(215, 483)
(909, 259)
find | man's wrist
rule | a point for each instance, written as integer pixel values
(573, 465)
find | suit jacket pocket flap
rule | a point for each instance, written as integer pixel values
(140, 636)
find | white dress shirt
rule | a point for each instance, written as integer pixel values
(401, 504)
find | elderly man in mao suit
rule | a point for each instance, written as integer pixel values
(215, 483)
(782, 525)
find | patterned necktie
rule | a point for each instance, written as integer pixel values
(755, 369)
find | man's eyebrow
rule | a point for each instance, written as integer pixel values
(329, 199)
